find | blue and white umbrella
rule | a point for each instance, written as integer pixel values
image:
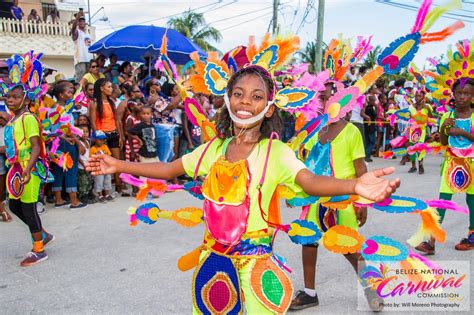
(137, 42)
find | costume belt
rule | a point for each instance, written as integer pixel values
(255, 243)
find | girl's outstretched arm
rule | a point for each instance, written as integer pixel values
(371, 185)
(105, 164)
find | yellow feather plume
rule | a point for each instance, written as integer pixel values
(429, 227)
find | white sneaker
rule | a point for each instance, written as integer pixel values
(40, 208)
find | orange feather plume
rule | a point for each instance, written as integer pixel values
(429, 227)
(164, 43)
(251, 50)
(265, 41)
(441, 35)
(288, 46)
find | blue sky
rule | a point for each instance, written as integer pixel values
(239, 19)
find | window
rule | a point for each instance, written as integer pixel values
(47, 8)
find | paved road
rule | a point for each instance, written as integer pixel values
(99, 264)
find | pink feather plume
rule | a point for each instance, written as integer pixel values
(315, 83)
(55, 145)
(362, 48)
(131, 180)
(420, 18)
(428, 263)
(159, 66)
(294, 70)
(433, 61)
(76, 131)
(447, 204)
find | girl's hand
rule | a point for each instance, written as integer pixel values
(448, 123)
(373, 187)
(26, 177)
(102, 164)
(121, 142)
(70, 140)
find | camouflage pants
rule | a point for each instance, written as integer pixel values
(85, 183)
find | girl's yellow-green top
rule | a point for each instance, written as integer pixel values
(283, 166)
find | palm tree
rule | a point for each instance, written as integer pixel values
(308, 55)
(371, 58)
(193, 25)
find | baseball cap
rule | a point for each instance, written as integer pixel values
(99, 135)
(408, 85)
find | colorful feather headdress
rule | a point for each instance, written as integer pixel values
(460, 65)
(26, 71)
(340, 55)
(212, 75)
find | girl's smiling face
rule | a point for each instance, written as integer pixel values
(249, 97)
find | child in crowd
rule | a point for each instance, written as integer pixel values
(145, 131)
(132, 144)
(337, 152)
(418, 129)
(89, 95)
(69, 143)
(4, 215)
(370, 127)
(78, 110)
(379, 146)
(85, 182)
(83, 121)
(102, 183)
(456, 132)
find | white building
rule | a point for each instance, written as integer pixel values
(52, 39)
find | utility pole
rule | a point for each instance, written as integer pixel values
(276, 3)
(319, 37)
(89, 11)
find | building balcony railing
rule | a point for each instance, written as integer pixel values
(12, 27)
(52, 39)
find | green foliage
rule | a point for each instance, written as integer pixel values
(193, 25)
(308, 55)
(370, 59)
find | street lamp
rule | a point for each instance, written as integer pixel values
(91, 17)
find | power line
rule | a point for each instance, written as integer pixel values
(308, 8)
(239, 15)
(452, 16)
(295, 13)
(258, 17)
(177, 14)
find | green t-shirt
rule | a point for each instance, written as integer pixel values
(283, 166)
(345, 149)
(24, 128)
